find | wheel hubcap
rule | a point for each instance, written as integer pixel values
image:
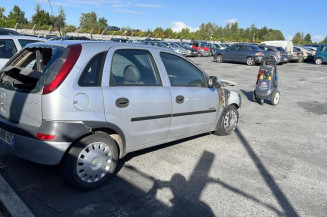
(230, 121)
(250, 61)
(276, 99)
(94, 162)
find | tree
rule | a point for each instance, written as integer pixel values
(40, 17)
(17, 15)
(307, 39)
(2, 13)
(298, 38)
(88, 20)
(158, 32)
(60, 20)
(324, 41)
(102, 23)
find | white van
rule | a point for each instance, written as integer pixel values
(287, 45)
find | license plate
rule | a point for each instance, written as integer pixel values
(6, 136)
(285, 59)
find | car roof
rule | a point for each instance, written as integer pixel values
(21, 37)
(103, 44)
(9, 32)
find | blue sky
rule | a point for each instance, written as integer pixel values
(290, 16)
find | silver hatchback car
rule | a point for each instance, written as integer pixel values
(85, 105)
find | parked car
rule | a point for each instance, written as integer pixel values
(85, 105)
(307, 55)
(287, 45)
(190, 51)
(201, 47)
(242, 53)
(296, 56)
(221, 46)
(279, 54)
(321, 54)
(76, 38)
(8, 32)
(177, 48)
(10, 44)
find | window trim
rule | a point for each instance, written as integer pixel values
(205, 76)
(104, 53)
(111, 77)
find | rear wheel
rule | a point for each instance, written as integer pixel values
(219, 58)
(318, 61)
(254, 98)
(275, 97)
(90, 162)
(250, 61)
(228, 122)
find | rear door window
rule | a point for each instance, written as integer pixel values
(133, 67)
(7, 48)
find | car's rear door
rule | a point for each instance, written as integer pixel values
(194, 104)
(135, 99)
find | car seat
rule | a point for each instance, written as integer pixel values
(132, 75)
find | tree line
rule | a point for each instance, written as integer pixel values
(90, 22)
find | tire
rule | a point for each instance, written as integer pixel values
(90, 161)
(318, 61)
(254, 98)
(219, 58)
(261, 101)
(274, 100)
(250, 61)
(228, 122)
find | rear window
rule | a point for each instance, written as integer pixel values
(33, 68)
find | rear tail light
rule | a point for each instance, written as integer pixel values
(259, 54)
(69, 62)
(316, 53)
(42, 136)
(307, 53)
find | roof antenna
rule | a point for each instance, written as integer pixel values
(55, 22)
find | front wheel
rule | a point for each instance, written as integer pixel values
(254, 98)
(318, 61)
(250, 61)
(228, 122)
(90, 162)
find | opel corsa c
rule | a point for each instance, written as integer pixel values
(85, 105)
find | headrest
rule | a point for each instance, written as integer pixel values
(131, 74)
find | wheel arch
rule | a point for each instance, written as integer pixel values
(112, 130)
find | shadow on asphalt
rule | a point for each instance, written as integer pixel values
(45, 193)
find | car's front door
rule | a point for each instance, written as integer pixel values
(194, 104)
(135, 99)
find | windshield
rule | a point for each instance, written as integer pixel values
(173, 45)
(203, 44)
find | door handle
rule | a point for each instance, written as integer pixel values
(179, 99)
(122, 102)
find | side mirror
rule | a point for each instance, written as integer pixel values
(213, 82)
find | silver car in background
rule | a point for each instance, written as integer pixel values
(278, 53)
(177, 48)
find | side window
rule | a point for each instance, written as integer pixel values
(7, 48)
(196, 44)
(24, 42)
(91, 75)
(181, 72)
(132, 67)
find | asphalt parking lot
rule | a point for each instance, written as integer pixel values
(274, 165)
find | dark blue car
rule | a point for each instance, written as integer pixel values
(242, 53)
